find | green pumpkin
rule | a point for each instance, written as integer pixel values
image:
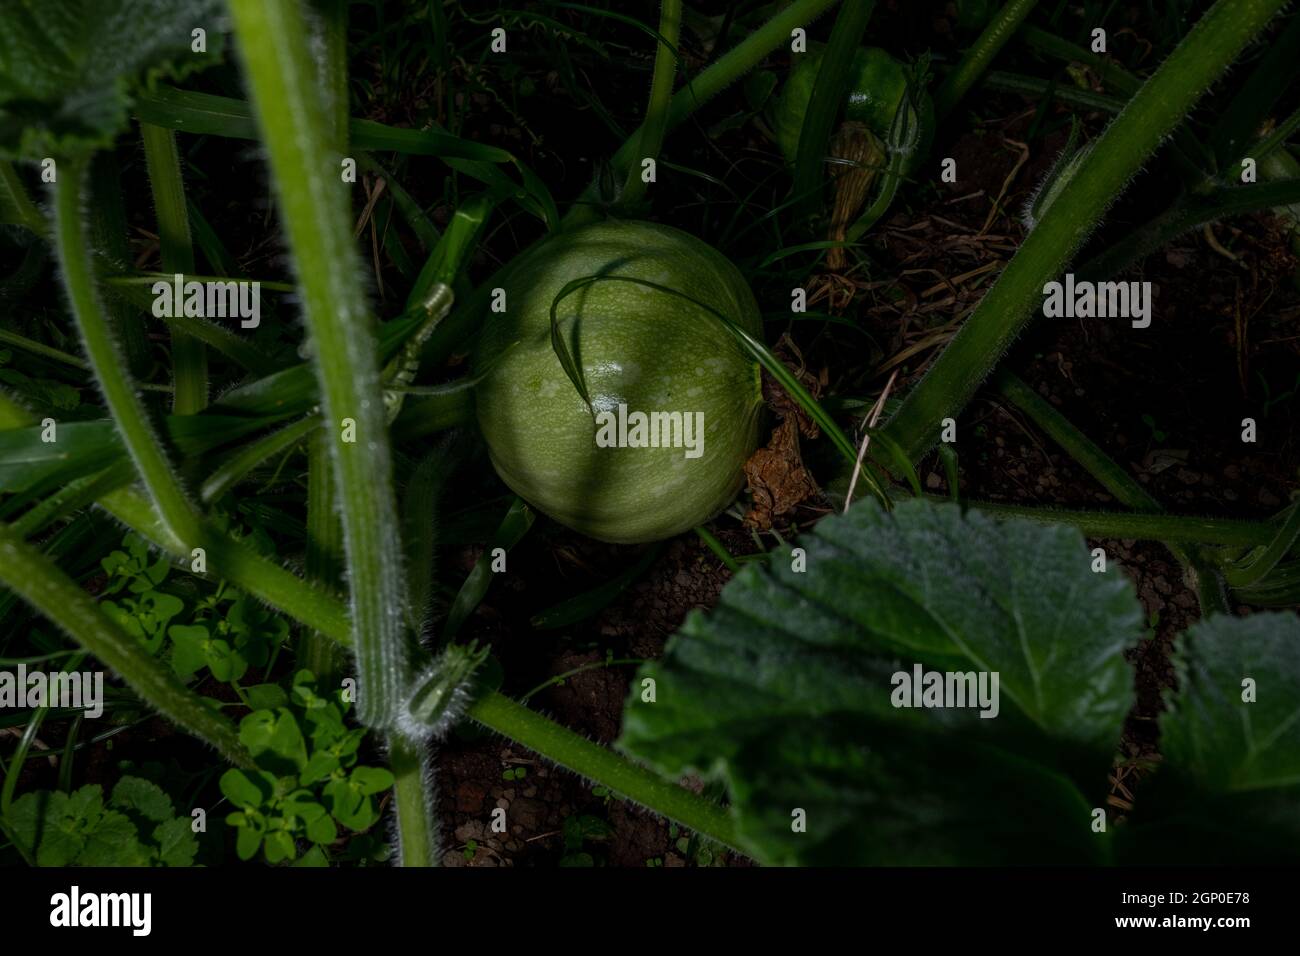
(638, 347)
(877, 87)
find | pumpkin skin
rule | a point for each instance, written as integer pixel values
(877, 86)
(637, 346)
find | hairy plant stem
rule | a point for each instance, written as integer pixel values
(728, 68)
(33, 577)
(977, 59)
(1115, 157)
(650, 136)
(324, 545)
(295, 128)
(417, 826)
(177, 513)
(605, 767)
(189, 358)
(316, 652)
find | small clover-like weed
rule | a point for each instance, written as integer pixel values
(226, 632)
(307, 779)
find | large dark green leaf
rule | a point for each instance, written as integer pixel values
(1225, 741)
(1228, 788)
(68, 68)
(785, 689)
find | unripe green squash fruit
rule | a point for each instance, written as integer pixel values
(638, 347)
(877, 86)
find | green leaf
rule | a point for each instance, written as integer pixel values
(84, 447)
(370, 780)
(788, 688)
(68, 69)
(1224, 741)
(177, 845)
(351, 799)
(188, 641)
(114, 842)
(275, 741)
(1228, 788)
(247, 789)
(144, 797)
(48, 826)
(279, 846)
(315, 857)
(266, 696)
(224, 661)
(322, 829)
(319, 767)
(248, 839)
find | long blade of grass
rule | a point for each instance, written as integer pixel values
(583, 606)
(192, 112)
(981, 53)
(1115, 158)
(235, 468)
(189, 360)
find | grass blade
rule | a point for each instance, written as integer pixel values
(1117, 155)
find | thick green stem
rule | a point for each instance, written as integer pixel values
(316, 651)
(977, 59)
(333, 67)
(417, 827)
(650, 137)
(295, 128)
(189, 358)
(1115, 157)
(36, 579)
(605, 767)
(128, 413)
